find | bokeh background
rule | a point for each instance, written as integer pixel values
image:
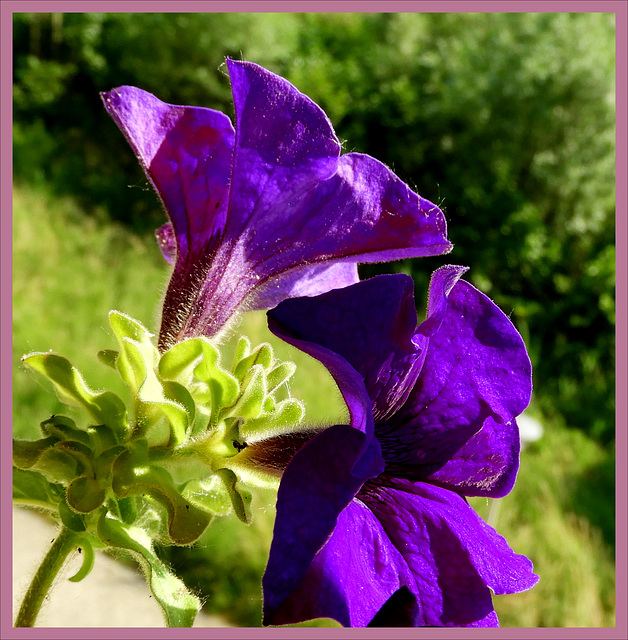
(504, 120)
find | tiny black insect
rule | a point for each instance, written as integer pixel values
(239, 446)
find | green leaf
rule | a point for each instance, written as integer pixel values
(64, 428)
(209, 494)
(240, 498)
(133, 475)
(179, 605)
(105, 407)
(108, 357)
(31, 487)
(223, 386)
(57, 465)
(85, 494)
(81, 453)
(26, 453)
(88, 561)
(251, 400)
(71, 519)
(103, 463)
(127, 508)
(102, 436)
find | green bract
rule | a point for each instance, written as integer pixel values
(166, 465)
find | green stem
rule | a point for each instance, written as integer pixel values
(61, 547)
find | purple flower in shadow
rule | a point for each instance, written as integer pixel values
(269, 210)
(373, 526)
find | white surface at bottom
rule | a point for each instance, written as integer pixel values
(112, 595)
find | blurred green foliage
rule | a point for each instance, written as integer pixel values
(505, 120)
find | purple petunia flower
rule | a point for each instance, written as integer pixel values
(373, 527)
(268, 211)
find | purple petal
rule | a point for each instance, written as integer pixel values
(400, 610)
(315, 488)
(423, 541)
(476, 367)
(442, 282)
(454, 557)
(284, 321)
(362, 213)
(502, 570)
(371, 325)
(270, 211)
(306, 281)
(486, 465)
(297, 210)
(285, 144)
(349, 579)
(167, 242)
(187, 152)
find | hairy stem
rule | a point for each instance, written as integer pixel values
(61, 547)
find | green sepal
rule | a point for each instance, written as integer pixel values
(176, 395)
(242, 350)
(262, 355)
(223, 386)
(135, 364)
(127, 328)
(280, 374)
(251, 400)
(105, 407)
(138, 354)
(209, 494)
(170, 398)
(108, 357)
(178, 604)
(178, 362)
(286, 417)
(240, 498)
(32, 488)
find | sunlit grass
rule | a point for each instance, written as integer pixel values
(70, 270)
(547, 518)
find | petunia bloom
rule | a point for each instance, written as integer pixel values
(269, 210)
(373, 526)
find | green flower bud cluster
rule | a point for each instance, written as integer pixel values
(170, 462)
